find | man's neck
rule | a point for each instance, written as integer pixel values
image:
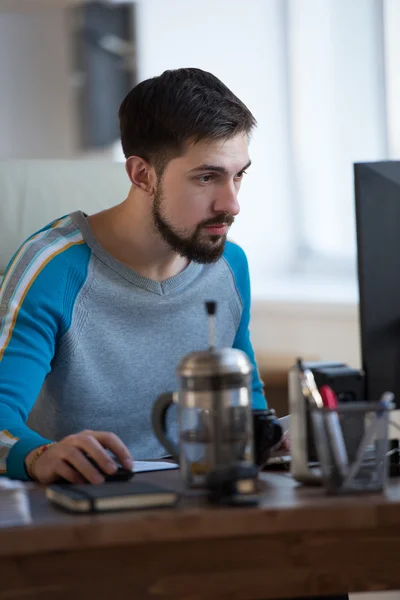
(129, 236)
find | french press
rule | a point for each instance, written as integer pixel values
(214, 411)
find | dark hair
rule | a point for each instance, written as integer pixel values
(161, 114)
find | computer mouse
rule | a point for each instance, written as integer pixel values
(121, 474)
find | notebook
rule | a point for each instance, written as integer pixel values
(110, 496)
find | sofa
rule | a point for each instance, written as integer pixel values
(36, 192)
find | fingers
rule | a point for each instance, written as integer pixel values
(69, 474)
(76, 458)
(286, 445)
(90, 444)
(67, 458)
(117, 447)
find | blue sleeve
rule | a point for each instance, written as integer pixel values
(36, 303)
(237, 262)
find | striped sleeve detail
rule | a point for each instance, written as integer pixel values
(24, 249)
(28, 263)
(7, 441)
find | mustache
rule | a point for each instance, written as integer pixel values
(223, 219)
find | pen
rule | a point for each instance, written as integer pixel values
(335, 430)
(311, 392)
(308, 385)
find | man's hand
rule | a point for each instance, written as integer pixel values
(284, 447)
(67, 460)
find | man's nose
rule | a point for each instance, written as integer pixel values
(227, 201)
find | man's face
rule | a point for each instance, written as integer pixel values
(195, 202)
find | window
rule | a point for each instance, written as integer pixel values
(321, 78)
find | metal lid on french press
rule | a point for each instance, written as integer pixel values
(213, 362)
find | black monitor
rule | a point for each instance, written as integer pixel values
(377, 191)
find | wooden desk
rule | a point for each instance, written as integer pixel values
(298, 542)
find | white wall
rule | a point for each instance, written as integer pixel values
(318, 331)
(36, 109)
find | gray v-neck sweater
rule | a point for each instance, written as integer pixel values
(86, 343)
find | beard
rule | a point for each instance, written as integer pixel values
(195, 245)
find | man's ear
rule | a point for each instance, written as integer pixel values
(141, 174)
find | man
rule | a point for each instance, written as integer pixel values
(96, 311)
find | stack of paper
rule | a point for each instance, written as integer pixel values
(142, 466)
(14, 503)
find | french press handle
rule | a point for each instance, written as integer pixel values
(159, 423)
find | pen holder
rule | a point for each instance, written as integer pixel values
(352, 446)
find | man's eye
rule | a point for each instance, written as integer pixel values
(240, 175)
(206, 178)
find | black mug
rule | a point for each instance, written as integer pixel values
(268, 432)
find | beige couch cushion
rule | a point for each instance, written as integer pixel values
(35, 192)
